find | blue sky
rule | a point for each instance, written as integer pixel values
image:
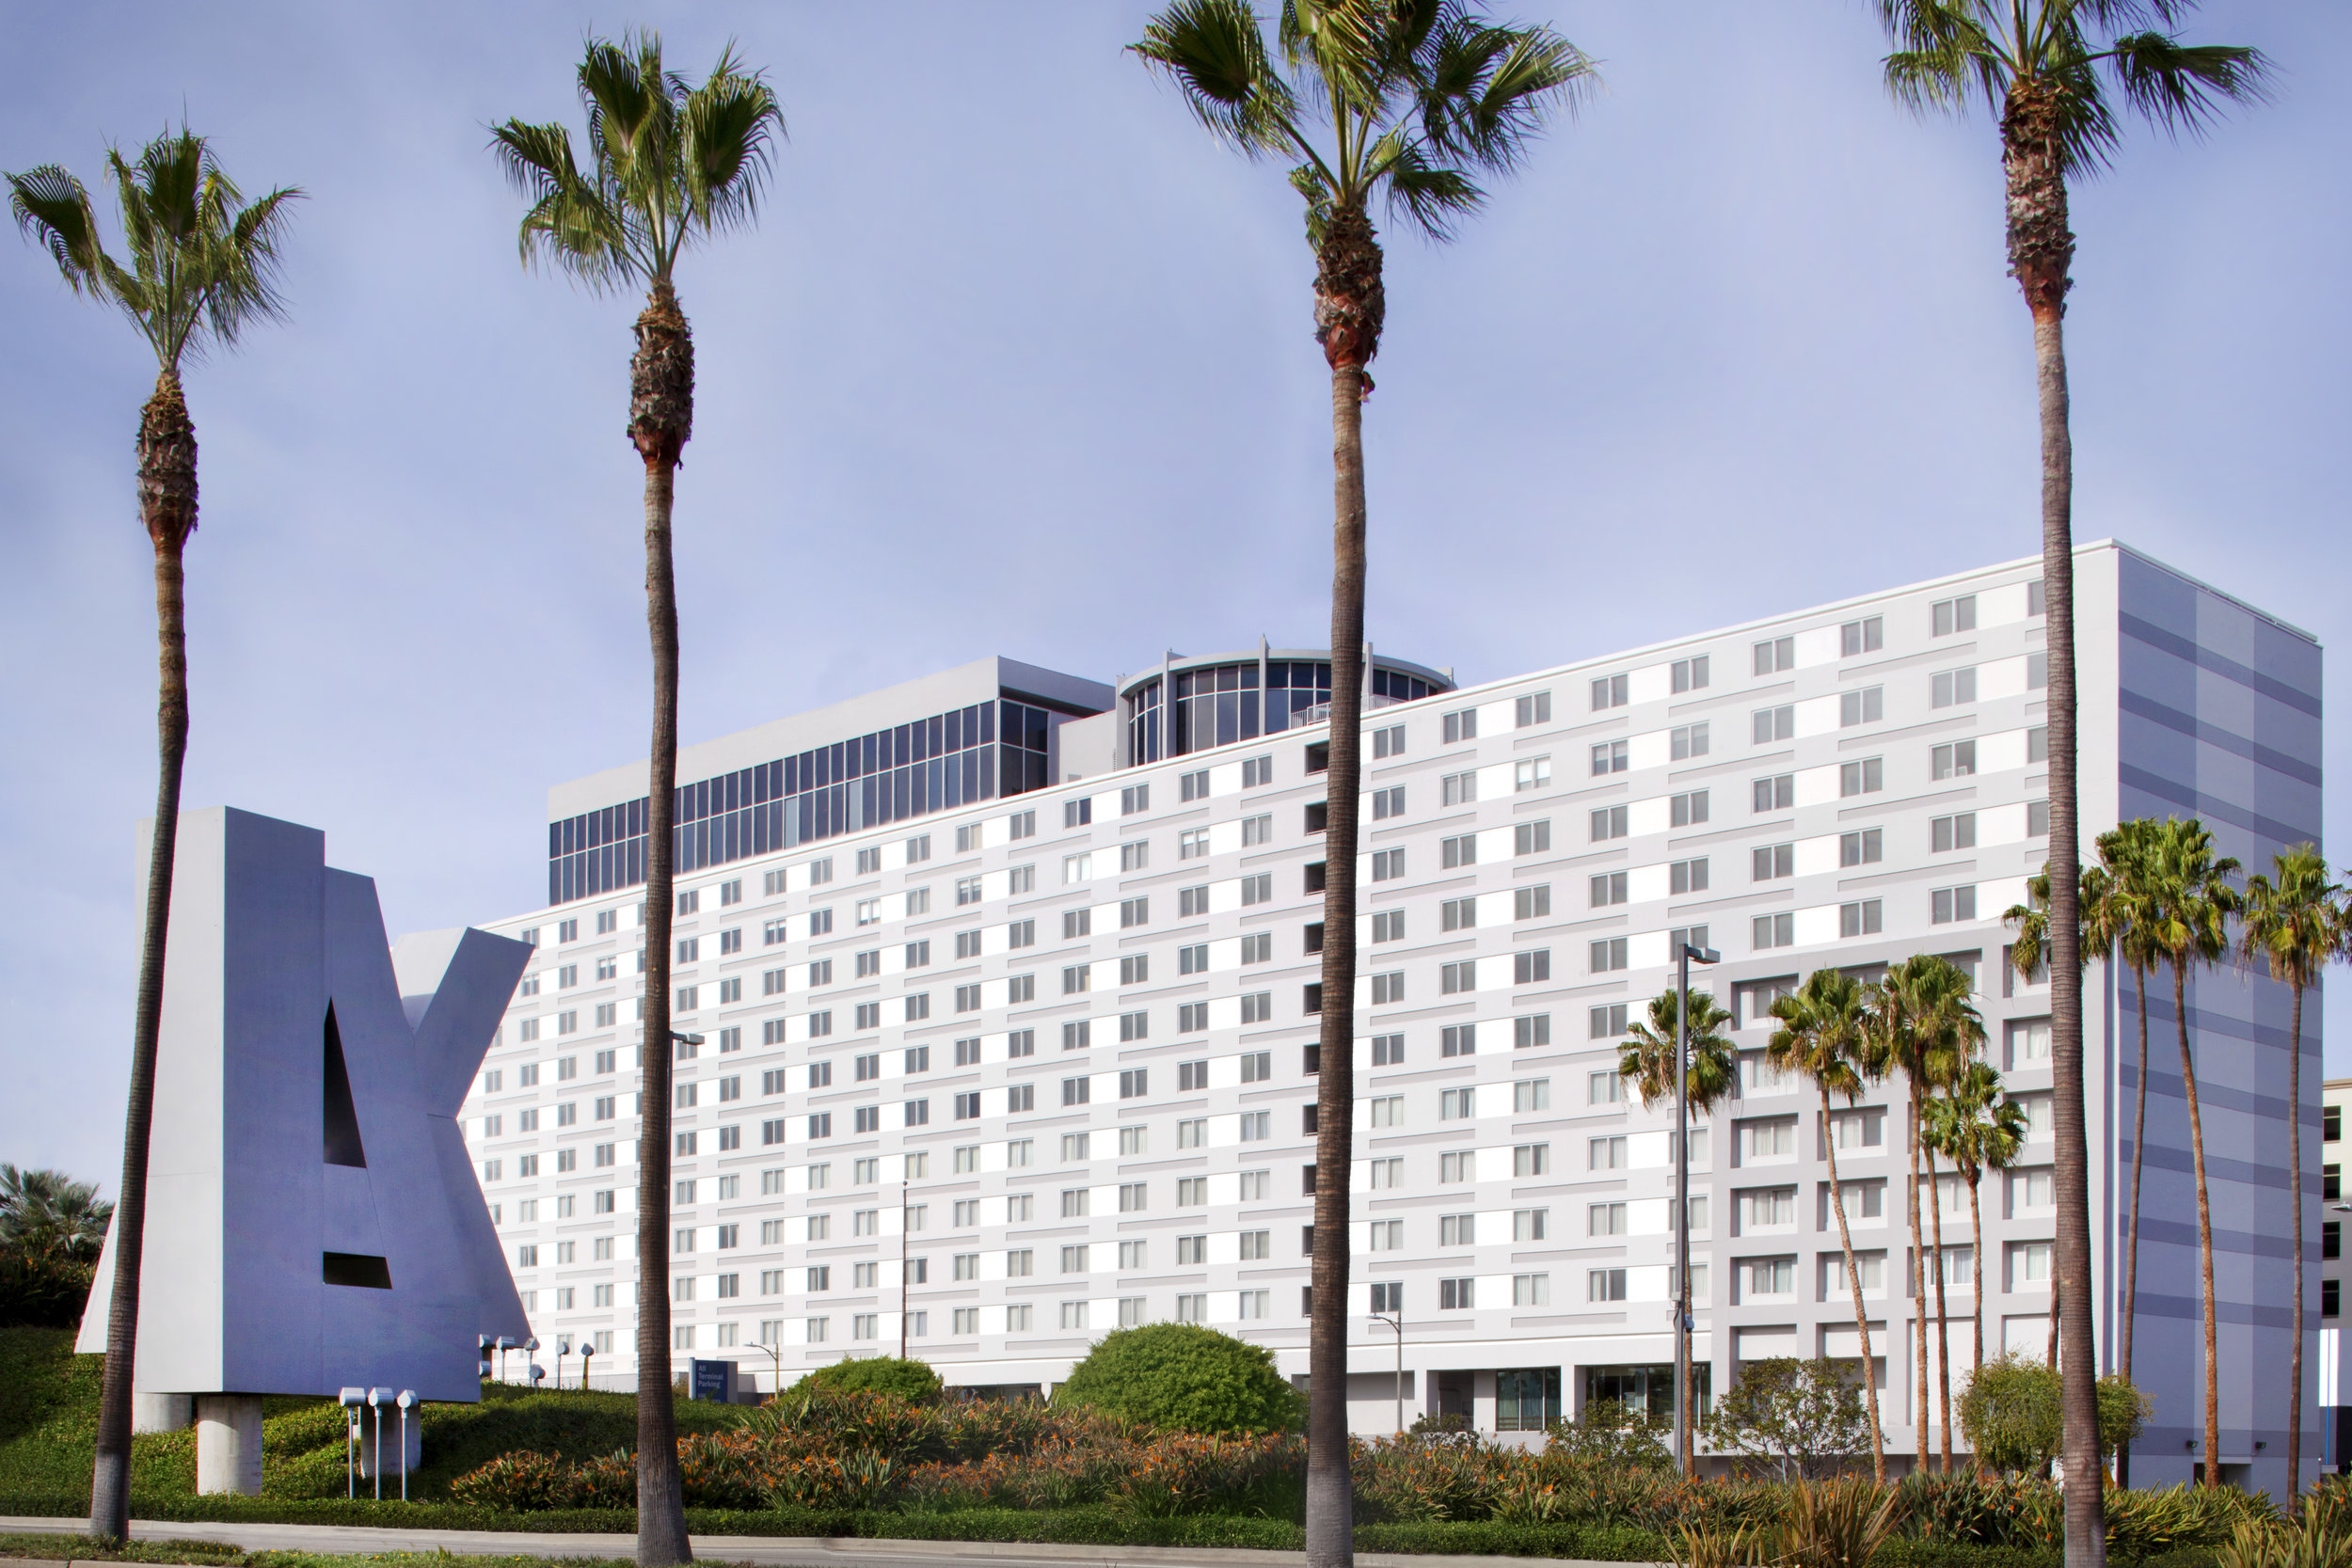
(1017, 361)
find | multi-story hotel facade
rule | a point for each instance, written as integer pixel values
(1006, 985)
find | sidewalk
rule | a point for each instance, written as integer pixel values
(767, 1551)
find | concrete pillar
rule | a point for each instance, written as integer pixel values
(391, 1448)
(161, 1412)
(229, 1444)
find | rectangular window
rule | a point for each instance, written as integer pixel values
(1776, 793)
(1533, 968)
(1461, 725)
(1770, 861)
(1689, 674)
(1608, 955)
(1532, 838)
(1611, 691)
(1456, 1295)
(1685, 810)
(1458, 788)
(1389, 864)
(1770, 724)
(1953, 687)
(1866, 707)
(1684, 877)
(1861, 919)
(1867, 776)
(1608, 1023)
(1687, 742)
(1950, 616)
(1388, 741)
(1957, 832)
(1530, 773)
(1607, 888)
(1534, 708)
(1611, 756)
(1950, 904)
(1774, 654)
(1532, 1160)
(1865, 847)
(1776, 930)
(1609, 822)
(1861, 637)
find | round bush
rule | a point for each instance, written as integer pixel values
(1185, 1378)
(883, 1374)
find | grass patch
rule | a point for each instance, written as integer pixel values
(49, 1428)
(210, 1553)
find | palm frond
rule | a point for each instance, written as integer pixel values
(1309, 180)
(729, 123)
(2184, 87)
(53, 209)
(1431, 195)
(1488, 90)
(1215, 51)
(1945, 51)
(570, 220)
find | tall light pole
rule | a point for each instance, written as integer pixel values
(1398, 1325)
(1684, 953)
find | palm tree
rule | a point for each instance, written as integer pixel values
(1975, 1127)
(670, 165)
(1709, 1069)
(2044, 70)
(1824, 1036)
(2295, 925)
(2121, 916)
(2103, 906)
(1415, 98)
(203, 266)
(2191, 904)
(1923, 1026)
(46, 1213)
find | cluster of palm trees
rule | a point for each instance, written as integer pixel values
(1845, 1033)
(46, 1214)
(2160, 899)
(1397, 104)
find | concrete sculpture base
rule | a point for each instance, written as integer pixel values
(229, 1444)
(391, 1449)
(161, 1412)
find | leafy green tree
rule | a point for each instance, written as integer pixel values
(46, 1213)
(1404, 102)
(907, 1379)
(2191, 904)
(2294, 926)
(203, 266)
(669, 165)
(1183, 1377)
(1922, 1024)
(2012, 1413)
(1824, 1038)
(1646, 1057)
(2045, 71)
(1802, 1416)
(1613, 1435)
(1978, 1129)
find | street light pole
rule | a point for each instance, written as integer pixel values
(1397, 1323)
(1684, 953)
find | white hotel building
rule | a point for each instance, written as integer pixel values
(1007, 984)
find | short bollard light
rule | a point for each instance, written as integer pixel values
(408, 1401)
(377, 1399)
(352, 1400)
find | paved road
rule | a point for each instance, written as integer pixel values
(767, 1551)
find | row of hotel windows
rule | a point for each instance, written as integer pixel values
(2028, 1046)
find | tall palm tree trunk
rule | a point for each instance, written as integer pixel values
(2294, 1190)
(1976, 1266)
(2131, 1238)
(1350, 304)
(1861, 1313)
(2041, 249)
(167, 448)
(1943, 1323)
(661, 402)
(2204, 1232)
(1924, 1448)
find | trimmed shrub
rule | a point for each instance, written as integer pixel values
(1185, 1378)
(906, 1379)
